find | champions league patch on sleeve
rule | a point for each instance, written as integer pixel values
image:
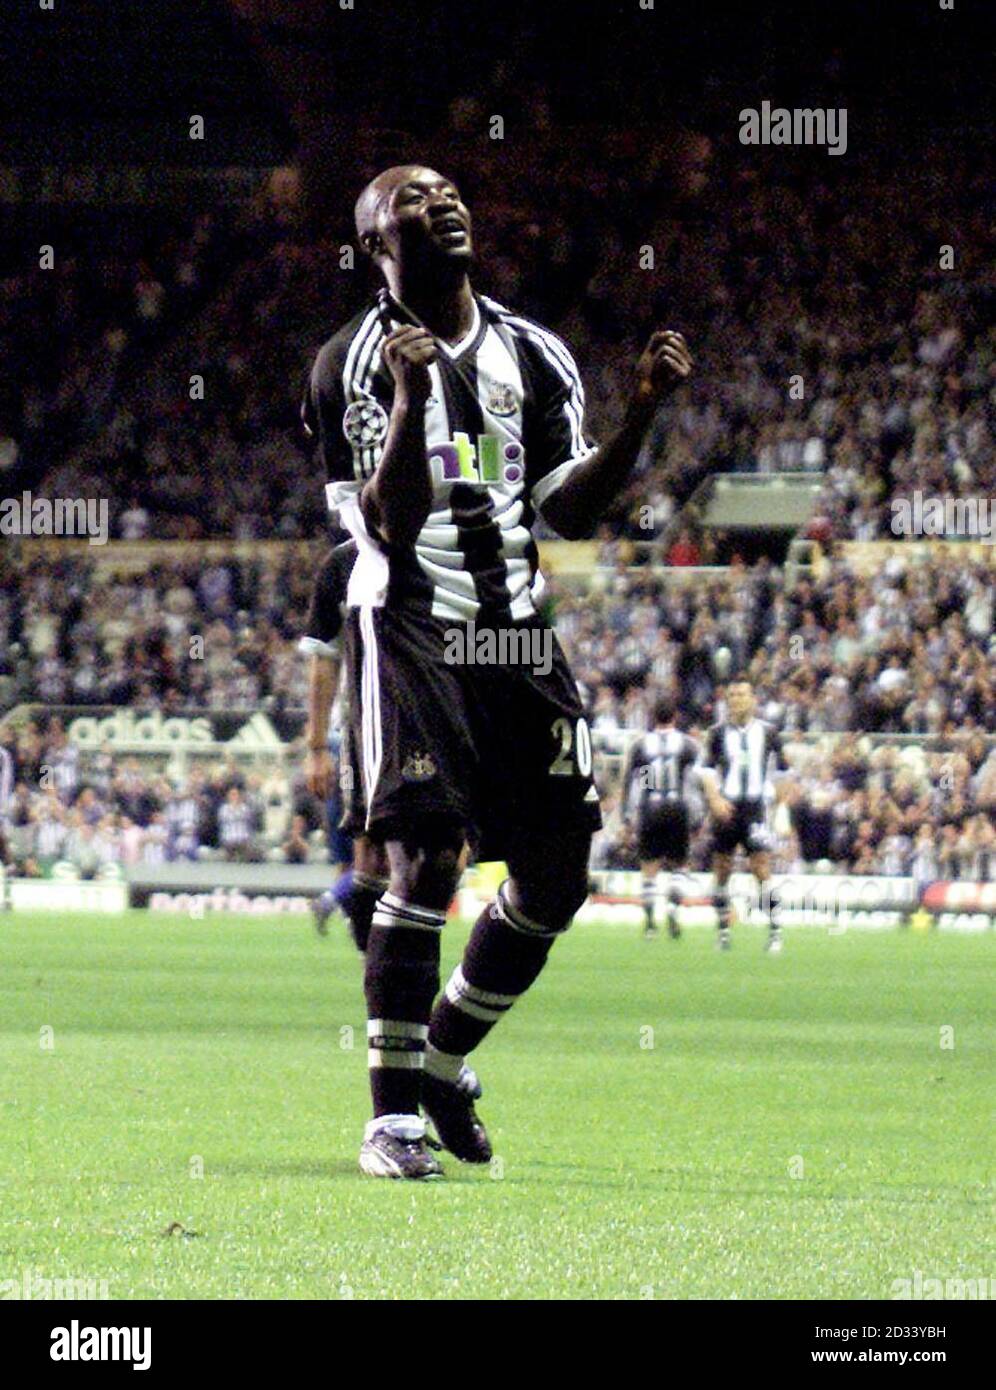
(365, 424)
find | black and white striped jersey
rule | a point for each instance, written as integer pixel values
(183, 815)
(503, 429)
(742, 757)
(236, 823)
(656, 766)
(50, 836)
(323, 624)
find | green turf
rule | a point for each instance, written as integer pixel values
(626, 1171)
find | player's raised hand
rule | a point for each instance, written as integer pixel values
(409, 352)
(664, 364)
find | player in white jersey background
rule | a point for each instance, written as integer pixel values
(445, 421)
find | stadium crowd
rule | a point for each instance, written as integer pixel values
(908, 648)
(853, 806)
(873, 364)
(96, 808)
(73, 333)
(905, 649)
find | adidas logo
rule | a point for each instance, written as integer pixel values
(256, 733)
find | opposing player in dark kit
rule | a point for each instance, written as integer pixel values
(445, 421)
(741, 757)
(655, 799)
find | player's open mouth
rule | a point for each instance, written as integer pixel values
(449, 230)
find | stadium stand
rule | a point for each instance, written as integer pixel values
(879, 665)
(880, 671)
(895, 366)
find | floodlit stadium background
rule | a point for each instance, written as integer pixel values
(184, 1088)
(757, 537)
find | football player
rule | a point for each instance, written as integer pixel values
(364, 869)
(446, 422)
(741, 756)
(654, 796)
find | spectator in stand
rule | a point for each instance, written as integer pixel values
(183, 821)
(295, 848)
(684, 551)
(237, 827)
(155, 840)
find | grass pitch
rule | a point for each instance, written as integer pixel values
(669, 1121)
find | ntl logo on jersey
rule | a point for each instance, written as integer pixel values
(457, 461)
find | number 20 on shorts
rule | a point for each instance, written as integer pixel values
(573, 757)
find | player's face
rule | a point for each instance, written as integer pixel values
(741, 701)
(425, 219)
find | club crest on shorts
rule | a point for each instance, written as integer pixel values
(418, 767)
(365, 424)
(501, 401)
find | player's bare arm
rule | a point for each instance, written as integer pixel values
(715, 800)
(575, 508)
(625, 807)
(397, 499)
(323, 681)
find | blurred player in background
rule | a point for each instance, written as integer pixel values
(654, 797)
(7, 778)
(736, 778)
(445, 421)
(331, 765)
(363, 875)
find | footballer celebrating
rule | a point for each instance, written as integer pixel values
(446, 422)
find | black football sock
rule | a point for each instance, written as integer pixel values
(504, 955)
(359, 904)
(647, 887)
(721, 900)
(401, 978)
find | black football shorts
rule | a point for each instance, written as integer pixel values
(662, 833)
(747, 827)
(503, 749)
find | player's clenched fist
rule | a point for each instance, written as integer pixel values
(664, 364)
(409, 352)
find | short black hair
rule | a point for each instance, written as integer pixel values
(664, 710)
